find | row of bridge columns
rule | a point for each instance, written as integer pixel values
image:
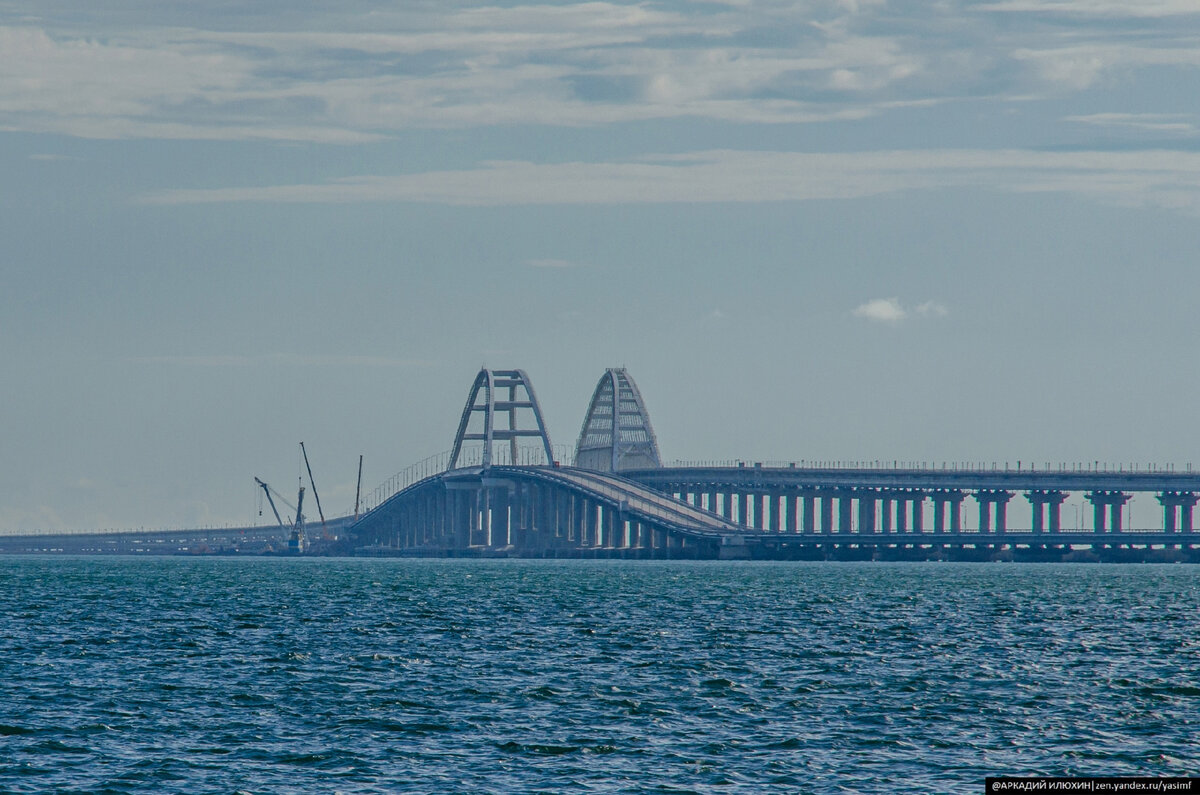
(833, 510)
(532, 517)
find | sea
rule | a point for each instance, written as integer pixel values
(228, 675)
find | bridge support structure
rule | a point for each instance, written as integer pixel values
(1040, 500)
(1107, 504)
(993, 500)
(1178, 507)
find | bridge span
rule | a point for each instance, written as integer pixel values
(623, 503)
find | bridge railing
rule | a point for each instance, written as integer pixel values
(1097, 467)
(469, 456)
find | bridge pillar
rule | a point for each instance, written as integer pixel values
(826, 512)
(845, 508)
(793, 504)
(940, 501)
(712, 501)
(1177, 510)
(1039, 501)
(760, 511)
(918, 512)
(886, 505)
(810, 511)
(1114, 501)
(591, 524)
(956, 501)
(500, 525)
(993, 497)
(776, 518)
(866, 511)
(902, 513)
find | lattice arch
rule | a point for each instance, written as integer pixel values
(516, 399)
(616, 433)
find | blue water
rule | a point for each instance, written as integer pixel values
(278, 675)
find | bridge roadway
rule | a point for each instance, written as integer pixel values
(256, 540)
(536, 510)
(802, 500)
(543, 510)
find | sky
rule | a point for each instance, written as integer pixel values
(850, 230)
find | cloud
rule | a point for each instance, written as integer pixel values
(1098, 8)
(882, 310)
(1129, 178)
(931, 309)
(890, 310)
(361, 77)
(285, 359)
(1173, 123)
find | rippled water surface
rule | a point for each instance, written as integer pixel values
(218, 675)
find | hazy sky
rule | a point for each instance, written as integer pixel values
(811, 230)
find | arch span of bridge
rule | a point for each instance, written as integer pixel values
(734, 511)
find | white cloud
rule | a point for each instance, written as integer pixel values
(931, 309)
(890, 310)
(1135, 178)
(1100, 8)
(284, 359)
(882, 310)
(1174, 123)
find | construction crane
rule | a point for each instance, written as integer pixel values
(296, 541)
(317, 497)
(269, 491)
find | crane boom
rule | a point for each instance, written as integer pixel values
(267, 490)
(358, 489)
(313, 483)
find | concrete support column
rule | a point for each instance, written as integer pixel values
(866, 511)
(826, 512)
(500, 528)
(902, 513)
(985, 513)
(1189, 502)
(744, 509)
(776, 506)
(566, 517)
(478, 538)
(956, 501)
(810, 512)
(939, 514)
(591, 523)
(1055, 501)
(1098, 523)
(1115, 508)
(1002, 514)
(760, 511)
(845, 507)
(886, 505)
(1177, 510)
(918, 512)
(712, 501)
(1171, 507)
(793, 504)
(1039, 502)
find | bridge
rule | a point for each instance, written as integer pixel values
(497, 498)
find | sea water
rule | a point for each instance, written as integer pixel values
(324, 675)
